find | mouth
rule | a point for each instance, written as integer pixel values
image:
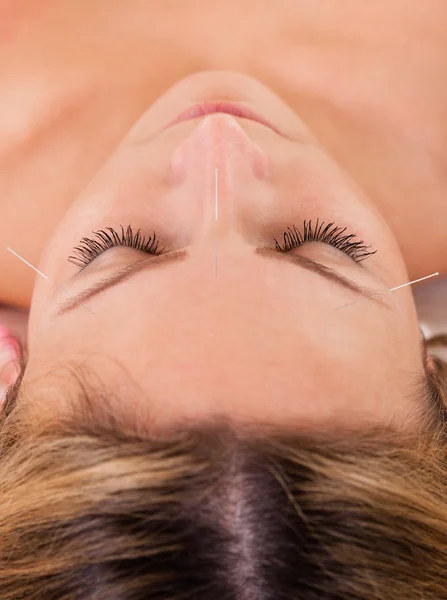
(229, 108)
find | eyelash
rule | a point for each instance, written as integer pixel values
(356, 250)
(90, 249)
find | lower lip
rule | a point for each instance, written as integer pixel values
(229, 108)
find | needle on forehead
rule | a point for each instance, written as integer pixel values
(391, 290)
(45, 276)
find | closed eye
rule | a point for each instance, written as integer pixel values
(163, 260)
(89, 249)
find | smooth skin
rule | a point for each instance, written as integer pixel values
(262, 329)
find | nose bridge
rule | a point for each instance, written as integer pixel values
(213, 165)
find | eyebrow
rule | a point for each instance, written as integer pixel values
(161, 260)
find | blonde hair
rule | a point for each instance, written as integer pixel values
(93, 509)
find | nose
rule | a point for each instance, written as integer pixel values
(218, 143)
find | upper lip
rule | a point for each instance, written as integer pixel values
(231, 108)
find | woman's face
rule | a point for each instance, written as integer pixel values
(219, 326)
